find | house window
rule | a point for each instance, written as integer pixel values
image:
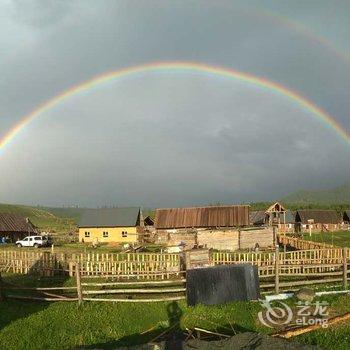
(105, 234)
(124, 234)
(87, 234)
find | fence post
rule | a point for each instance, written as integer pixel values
(275, 241)
(78, 277)
(277, 265)
(2, 297)
(345, 267)
(70, 267)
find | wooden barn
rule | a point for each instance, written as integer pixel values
(217, 227)
(14, 227)
(121, 225)
(317, 220)
(202, 217)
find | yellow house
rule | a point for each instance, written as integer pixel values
(110, 225)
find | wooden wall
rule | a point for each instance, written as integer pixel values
(218, 239)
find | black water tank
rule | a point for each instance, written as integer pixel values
(221, 284)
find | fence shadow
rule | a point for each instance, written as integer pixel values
(18, 285)
(167, 338)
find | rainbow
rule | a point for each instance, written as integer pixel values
(183, 67)
(305, 31)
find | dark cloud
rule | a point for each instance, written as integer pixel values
(169, 138)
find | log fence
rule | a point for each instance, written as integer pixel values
(140, 277)
(151, 265)
(301, 244)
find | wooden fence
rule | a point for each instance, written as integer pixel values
(151, 265)
(277, 270)
(290, 270)
(301, 244)
(116, 289)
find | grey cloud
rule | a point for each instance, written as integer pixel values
(167, 138)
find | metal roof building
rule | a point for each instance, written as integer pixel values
(110, 217)
(10, 222)
(202, 217)
(258, 217)
(319, 216)
(346, 216)
(15, 226)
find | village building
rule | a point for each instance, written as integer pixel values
(275, 214)
(120, 225)
(258, 218)
(149, 221)
(217, 227)
(287, 224)
(316, 220)
(346, 217)
(202, 217)
(14, 227)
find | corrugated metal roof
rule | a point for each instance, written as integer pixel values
(10, 222)
(257, 217)
(110, 217)
(218, 216)
(319, 216)
(289, 217)
(347, 213)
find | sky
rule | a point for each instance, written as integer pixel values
(169, 138)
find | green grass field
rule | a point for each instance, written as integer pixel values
(338, 238)
(65, 325)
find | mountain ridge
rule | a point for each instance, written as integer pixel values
(335, 195)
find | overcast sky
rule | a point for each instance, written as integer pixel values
(166, 138)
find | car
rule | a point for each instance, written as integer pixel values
(34, 241)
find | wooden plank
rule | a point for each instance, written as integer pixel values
(180, 281)
(78, 279)
(135, 300)
(135, 291)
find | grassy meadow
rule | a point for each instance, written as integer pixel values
(337, 238)
(45, 220)
(65, 325)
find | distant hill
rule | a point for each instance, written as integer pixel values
(72, 213)
(337, 195)
(43, 219)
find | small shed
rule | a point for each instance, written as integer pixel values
(320, 220)
(14, 227)
(276, 213)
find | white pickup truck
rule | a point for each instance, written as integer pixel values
(34, 241)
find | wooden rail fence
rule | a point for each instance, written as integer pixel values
(277, 270)
(140, 264)
(302, 244)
